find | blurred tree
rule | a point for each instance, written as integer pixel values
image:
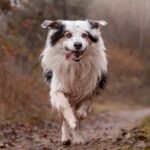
(64, 9)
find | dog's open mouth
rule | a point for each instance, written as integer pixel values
(74, 55)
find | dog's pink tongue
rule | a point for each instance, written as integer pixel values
(69, 55)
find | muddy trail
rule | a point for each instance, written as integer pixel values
(103, 131)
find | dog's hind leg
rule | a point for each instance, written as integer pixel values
(65, 139)
(61, 103)
(84, 109)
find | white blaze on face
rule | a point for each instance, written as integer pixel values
(76, 28)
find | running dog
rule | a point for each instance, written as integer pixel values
(74, 66)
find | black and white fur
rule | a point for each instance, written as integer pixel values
(75, 65)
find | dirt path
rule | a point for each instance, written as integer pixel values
(106, 130)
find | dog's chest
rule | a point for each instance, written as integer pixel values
(79, 80)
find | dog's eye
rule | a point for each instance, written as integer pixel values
(84, 35)
(68, 35)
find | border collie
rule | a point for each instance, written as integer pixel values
(74, 65)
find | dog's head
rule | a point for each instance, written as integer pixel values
(73, 38)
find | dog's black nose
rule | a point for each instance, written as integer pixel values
(77, 45)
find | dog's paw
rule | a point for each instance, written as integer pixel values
(72, 123)
(66, 139)
(81, 114)
(66, 142)
(78, 140)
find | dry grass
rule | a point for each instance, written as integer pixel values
(125, 78)
(22, 92)
(125, 62)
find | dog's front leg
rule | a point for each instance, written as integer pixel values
(61, 103)
(65, 139)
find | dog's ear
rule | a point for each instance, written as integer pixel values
(51, 24)
(95, 24)
(102, 23)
